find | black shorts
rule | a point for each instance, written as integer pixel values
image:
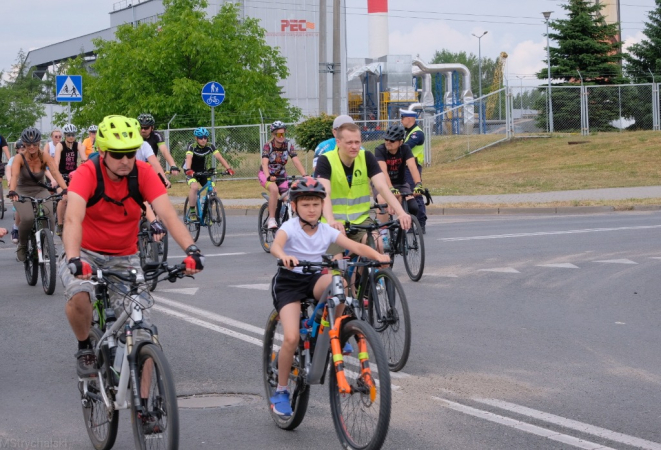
(289, 287)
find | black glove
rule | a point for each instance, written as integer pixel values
(174, 168)
(79, 267)
(418, 189)
(394, 190)
(11, 194)
(157, 227)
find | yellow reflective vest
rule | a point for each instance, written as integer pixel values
(419, 150)
(349, 203)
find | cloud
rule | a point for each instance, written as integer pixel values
(630, 40)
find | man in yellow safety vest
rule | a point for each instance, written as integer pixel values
(415, 139)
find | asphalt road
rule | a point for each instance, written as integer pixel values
(537, 332)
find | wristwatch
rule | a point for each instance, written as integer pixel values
(192, 249)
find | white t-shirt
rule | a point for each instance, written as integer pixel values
(144, 152)
(304, 247)
(51, 148)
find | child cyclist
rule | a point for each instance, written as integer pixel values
(303, 237)
(196, 160)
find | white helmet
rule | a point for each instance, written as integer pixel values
(70, 128)
(93, 129)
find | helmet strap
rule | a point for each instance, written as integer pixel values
(312, 227)
(110, 170)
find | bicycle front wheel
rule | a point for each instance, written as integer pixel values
(147, 249)
(192, 225)
(266, 235)
(31, 263)
(299, 390)
(49, 266)
(362, 417)
(2, 202)
(413, 250)
(216, 221)
(101, 424)
(156, 420)
(391, 319)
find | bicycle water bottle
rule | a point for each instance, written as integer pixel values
(386, 240)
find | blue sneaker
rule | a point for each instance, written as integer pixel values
(348, 349)
(280, 404)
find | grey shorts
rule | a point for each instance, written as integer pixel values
(73, 285)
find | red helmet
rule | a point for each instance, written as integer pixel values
(306, 186)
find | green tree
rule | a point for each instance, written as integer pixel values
(472, 62)
(585, 43)
(161, 68)
(312, 131)
(21, 97)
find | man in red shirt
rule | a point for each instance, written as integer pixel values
(101, 231)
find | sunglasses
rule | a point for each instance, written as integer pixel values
(203, 137)
(391, 141)
(145, 128)
(120, 155)
(36, 145)
(280, 134)
(57, 136)
(69, 134)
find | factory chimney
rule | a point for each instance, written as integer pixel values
(377, 11)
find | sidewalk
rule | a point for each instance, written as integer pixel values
(249, 206)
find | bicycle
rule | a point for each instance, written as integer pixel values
(384, 301)
(283, 210)
(150, 250)
(125, 364)
(2, 196)
(359, 384)
(40, 253)
(212, 211)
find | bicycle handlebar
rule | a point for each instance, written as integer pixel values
(25, 198)
(151, 272)
(352, 229)
(341, 264)
(209, 173)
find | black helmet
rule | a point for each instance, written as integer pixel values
(18, 144)
(395, 132)
(146, 120)
(306, 186)
(31, 136)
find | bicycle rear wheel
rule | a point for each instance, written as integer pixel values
(101, 424)
(216, 221)
(299, 390)
(193, 226)
(362, 418)
(413, 250)
(392, 320)
(31, 263)
(266, 235)
(49, 266)
(156, 424)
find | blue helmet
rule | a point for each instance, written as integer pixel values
(201, 132)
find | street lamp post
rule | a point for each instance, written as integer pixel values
(521, 77)
(549, 114)
(479, 79)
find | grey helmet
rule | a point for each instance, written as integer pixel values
(18, 145)
(93, 129)
(395, 132)
(31, 136)
(146, 120)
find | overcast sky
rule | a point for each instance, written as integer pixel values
(416, 27)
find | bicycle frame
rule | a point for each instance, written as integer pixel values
(41, 221)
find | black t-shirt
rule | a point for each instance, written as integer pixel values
(323, 169)
(396, 163)
(198, 163)
(3, 142)
(68, 158)
(154, 139)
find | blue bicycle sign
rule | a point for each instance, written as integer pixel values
(213, 94)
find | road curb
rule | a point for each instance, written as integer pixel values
(528, 210)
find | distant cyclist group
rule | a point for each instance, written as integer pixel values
(98, 190)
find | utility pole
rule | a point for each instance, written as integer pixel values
(337, 71)
(323, 70)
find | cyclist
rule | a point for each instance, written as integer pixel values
(394, 158)
(87, 146)
(55, 138)
(196, 161)
(27, 176)
(5, 149)
(330, 144)
(66, 159)
(302, 238)
(275, 155)
(346, 174)
(19, 148)
(415, 139)
(155, 140)
(101, 226)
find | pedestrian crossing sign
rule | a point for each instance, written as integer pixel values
(69, 88)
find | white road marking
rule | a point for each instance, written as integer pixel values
(260, 287)
(559, 266)
(212, 255)
(442, 275)
(227, 321)
(572, 424)
(616, 261)
(547, 233)
(186, 291)
(523, 426)
(655, 257)
(500, 270)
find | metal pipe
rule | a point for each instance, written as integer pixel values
(547, 15)
(479, 80)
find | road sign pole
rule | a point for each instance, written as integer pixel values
(213, 134)
(69, 112)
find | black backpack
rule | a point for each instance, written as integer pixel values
(100, 192)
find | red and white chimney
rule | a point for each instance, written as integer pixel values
(377, 13)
